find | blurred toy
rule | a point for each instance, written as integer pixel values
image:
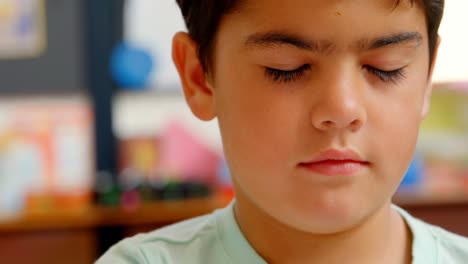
(226, 191)
(131, 66)
(413, 179)
(184, 158)
(138, 159)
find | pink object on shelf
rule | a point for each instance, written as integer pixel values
(184, 156)
(453, 86)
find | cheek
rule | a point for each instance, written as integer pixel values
(256, 151)
(257, 124)
(396, 130)
(400, 141)
(255, 129)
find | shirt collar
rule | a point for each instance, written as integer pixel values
(424, 246)
(234, 242)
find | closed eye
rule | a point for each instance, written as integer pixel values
(392, 76)
(282, 76)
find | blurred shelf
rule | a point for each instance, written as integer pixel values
(154, 213)
(448, 210)
(431, 199)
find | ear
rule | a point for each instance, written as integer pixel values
(198, 92)
(428, 90)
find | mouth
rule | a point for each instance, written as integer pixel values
(334, 162)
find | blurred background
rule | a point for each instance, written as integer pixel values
(97, 143)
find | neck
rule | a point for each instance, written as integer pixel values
(382, 236)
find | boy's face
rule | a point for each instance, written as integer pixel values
(295, 78)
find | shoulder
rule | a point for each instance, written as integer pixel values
(160, 246)
(451, 248)
(440, 244)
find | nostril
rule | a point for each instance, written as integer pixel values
(356, 124)
(327, 123)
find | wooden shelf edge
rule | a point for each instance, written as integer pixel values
(154, 213)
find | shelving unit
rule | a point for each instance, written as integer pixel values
(77, 236)
(153, 213)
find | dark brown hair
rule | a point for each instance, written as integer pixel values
(202, 18)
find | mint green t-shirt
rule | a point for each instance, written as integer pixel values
(216, 238)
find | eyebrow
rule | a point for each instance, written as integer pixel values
(269, 39)
(413, 38)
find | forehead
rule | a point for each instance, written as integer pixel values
(246, 6)
(335, 21)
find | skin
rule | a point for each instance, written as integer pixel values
(270, 126)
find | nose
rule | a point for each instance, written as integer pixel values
(339, 104)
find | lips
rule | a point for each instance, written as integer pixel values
(334, 162)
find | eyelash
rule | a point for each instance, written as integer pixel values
(281, 76)
(387, 76)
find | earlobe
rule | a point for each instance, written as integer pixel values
(428, 91)
(198, 93)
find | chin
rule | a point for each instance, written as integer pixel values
(325, 219)
(327, 226)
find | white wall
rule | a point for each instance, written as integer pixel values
(452, 64)
(151, 24)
